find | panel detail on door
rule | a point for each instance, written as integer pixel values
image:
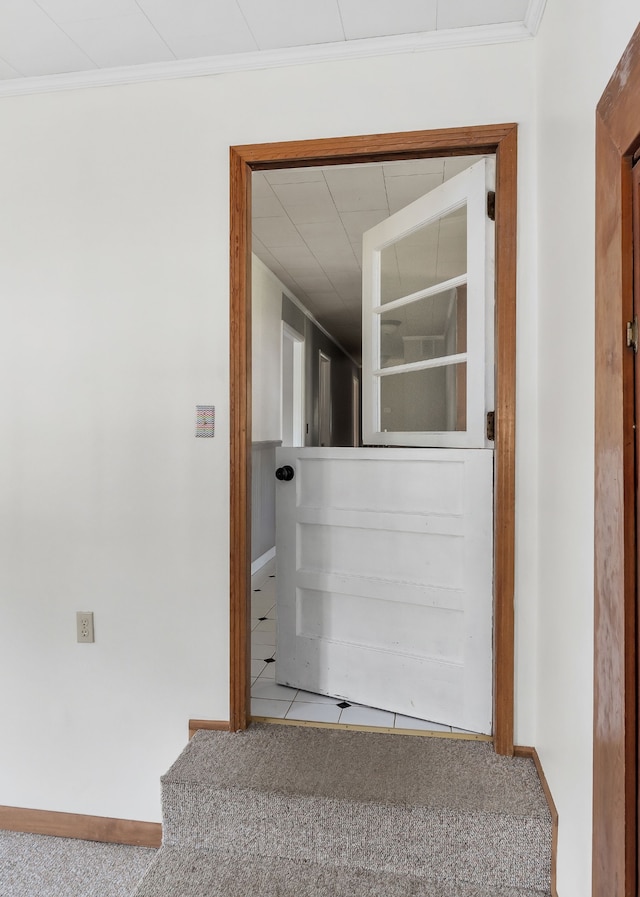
(384, 582)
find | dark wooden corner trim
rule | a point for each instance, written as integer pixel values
(532, 754)
(75, 825)
(615, 655)
(240, 425)
(500, 139)
(209, 725)
(505, 440)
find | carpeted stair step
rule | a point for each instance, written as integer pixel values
(440, 810)
(192, 872)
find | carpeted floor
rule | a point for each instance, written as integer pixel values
(42, 866)
(317, 805)
(208, 873)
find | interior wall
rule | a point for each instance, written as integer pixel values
(577, 50)
(114, 307)
(266, 350)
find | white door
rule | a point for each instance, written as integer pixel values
(427, 318)
(384, 563)
(385, 555)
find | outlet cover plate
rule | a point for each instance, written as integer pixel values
(84, 624)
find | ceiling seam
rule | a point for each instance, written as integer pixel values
(168, 46)
(68, 36)
(248, 24)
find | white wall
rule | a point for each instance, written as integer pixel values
(113, 312)
(577, 50)
(266, 330)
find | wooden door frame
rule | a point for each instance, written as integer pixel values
(615, 543)
(500, 139)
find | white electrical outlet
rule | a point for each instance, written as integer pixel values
(84, 623)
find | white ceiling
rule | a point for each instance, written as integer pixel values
(308, 225)
(53, 38)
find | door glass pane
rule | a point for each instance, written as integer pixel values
(428, 328)
(429, 255)
(431, 400)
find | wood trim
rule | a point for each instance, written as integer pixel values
(76, 825)
(532, 754)
(500, 139)
(614, 736)
(240, 426)
(505, 440)
(209, 725)
(633, 657)
(375, 147)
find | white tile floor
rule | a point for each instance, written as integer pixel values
(281, 702)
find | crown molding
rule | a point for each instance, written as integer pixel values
(533, 16)
(266, 59)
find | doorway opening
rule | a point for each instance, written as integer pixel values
(381, 603)
(500, 140)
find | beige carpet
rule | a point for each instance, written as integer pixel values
(179, 872)
(409, 812)
(42, 866)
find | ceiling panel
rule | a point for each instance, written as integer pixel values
(356, 223)
(275, 232)
(326, 302)
(298, 260)
(195, 28)
(357, 190)
(266, 206)
(260, 186)
(404, 190)
(456, 164)
(412, 167)
(293, 175)
(357, 251)
(372, 18)
(307, 202)
(6, 71)
(325, 235)
(119, 40)
(336, 264)
(464, 13)
(349, 287)
(290, 23)
(315, 283)
(63, 11)
(34, 45)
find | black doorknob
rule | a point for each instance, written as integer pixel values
(285, 473)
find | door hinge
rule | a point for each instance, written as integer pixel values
(632, 334)
(491, 205)
(491, 426)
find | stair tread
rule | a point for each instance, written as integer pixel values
(191, 872)
(363, 804)
(402, 771)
